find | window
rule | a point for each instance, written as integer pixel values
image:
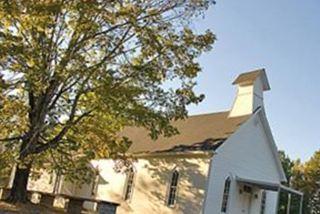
(225, 195)
(95, 183)
(263, 202)
(57, 183)
(129, 186)
(51, 178)
(173, 188)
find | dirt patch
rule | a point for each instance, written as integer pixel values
(28, 208)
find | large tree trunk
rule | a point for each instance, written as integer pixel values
(20, 182)
(19, 188)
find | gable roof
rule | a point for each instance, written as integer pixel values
(196, 133)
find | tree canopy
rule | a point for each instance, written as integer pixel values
(74, 73)
(304, 177)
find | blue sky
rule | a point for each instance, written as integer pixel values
(282, 36)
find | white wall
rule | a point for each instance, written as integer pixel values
(43, 183)
(248, 99)
(151, 184)
(247, 154)
(272, 200)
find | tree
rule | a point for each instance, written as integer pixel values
(74, 73)
(287, 165)
(306, 178)
(299, 183)
(312, 179)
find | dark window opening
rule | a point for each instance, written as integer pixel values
(95, 184)
(129, 186)
(173, 188)
(225, 196)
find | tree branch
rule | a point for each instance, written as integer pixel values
(11, 139)
(57, 139)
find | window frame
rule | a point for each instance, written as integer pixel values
(172, 194)
(226, 195)
(129, 185)
(57, 182)
(51, 177)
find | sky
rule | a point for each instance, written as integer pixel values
(282, 36)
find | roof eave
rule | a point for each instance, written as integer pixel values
(274, 149)
(207, 153)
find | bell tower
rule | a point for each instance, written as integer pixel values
(250, 89)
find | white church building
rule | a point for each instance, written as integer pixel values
(225, 162)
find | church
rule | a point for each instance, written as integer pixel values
(224, 162)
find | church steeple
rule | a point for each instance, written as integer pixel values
(251, 86)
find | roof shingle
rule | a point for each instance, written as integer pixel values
(198, 132)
